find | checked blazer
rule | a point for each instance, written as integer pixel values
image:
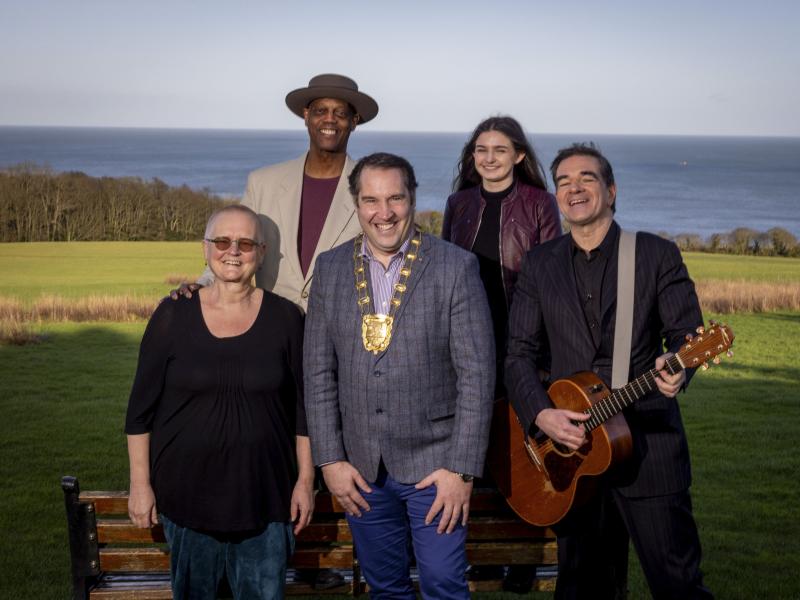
(547, 325)
(423, 404)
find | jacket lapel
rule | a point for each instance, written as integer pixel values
(289, 198)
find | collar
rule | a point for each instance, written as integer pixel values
(401, 251)
(606, 247)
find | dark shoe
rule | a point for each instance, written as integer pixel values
(485, 572)
(519, 579)
(327, 579)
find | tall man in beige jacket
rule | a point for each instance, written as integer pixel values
(304, 204)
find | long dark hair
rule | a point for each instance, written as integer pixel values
(528, 170)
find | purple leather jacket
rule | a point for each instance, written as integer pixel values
(528, 216)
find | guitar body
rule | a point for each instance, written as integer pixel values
(542, 481)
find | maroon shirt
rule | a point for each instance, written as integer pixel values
(315, 202)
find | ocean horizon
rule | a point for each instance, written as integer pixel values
(672, 184)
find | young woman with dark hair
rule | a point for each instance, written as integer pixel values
(499, 210)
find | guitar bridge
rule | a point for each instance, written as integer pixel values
(534, 457)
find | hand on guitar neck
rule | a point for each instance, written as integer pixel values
(564, 426)
(669, 384)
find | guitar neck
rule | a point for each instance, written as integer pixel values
(623, 397)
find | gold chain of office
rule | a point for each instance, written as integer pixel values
(376, 329)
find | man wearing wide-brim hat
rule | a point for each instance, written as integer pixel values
(304, 203)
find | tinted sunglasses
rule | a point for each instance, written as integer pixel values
(244, 244)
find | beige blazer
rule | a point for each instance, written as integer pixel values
(274, 192)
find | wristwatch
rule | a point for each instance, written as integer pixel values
(466, 478)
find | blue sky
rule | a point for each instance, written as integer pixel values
(702, 67)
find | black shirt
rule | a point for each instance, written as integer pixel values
(590, 270)
(222, 414)
(487, 249)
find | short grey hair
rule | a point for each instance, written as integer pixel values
(240, 208)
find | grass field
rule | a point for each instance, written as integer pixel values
(63, 403)
(75, 269)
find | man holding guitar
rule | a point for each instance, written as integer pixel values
(563, 321)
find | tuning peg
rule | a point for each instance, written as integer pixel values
(701, 330)
(729, 353)
(716, 360)
(689, 337)
(704, 366)
(712, 322)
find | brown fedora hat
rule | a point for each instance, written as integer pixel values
(331, 85)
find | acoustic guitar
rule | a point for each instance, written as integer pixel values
(541, 479)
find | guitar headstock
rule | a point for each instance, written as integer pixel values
(707, 345)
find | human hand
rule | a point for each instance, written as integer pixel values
(559, 425)
(342, 478)
(452, 499)
(302, 504)
(185, 289)
(142, 506)
(669, 385)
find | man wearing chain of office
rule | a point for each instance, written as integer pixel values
(398, 386)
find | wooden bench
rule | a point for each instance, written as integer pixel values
(113, 559)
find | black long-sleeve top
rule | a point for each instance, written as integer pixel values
(222, 413)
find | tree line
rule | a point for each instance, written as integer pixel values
(742, 240)
(38, 205)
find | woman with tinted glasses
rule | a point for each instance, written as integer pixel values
(499, 210)
(217, 439)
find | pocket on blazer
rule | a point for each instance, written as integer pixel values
(441, 410)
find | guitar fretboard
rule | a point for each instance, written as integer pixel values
(623, 397)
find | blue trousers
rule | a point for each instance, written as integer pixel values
(254, 564)
(381, 537)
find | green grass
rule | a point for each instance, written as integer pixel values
(750, 268)
(63, 404)
(75, 269)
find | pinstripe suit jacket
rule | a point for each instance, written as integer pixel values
(547, 319)
(424, 403)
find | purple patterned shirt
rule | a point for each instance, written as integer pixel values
(382, 280)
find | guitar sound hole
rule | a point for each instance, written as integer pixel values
(562, 449)
(562, 464)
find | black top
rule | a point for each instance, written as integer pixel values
(487, 248)
(222, 413)
(590, 271)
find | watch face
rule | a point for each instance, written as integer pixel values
(466, 478)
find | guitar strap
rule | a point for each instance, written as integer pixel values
(623, 330)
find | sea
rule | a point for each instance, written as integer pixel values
(666, 184)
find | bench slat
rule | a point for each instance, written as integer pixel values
(115, 531)
(154, 559)
(116, 503)
(512, 553)
(504, 528)
(156, 586)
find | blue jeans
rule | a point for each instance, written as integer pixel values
(381, 535)
(255, 564)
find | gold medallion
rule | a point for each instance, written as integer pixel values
(376, 329)
(376, 332)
